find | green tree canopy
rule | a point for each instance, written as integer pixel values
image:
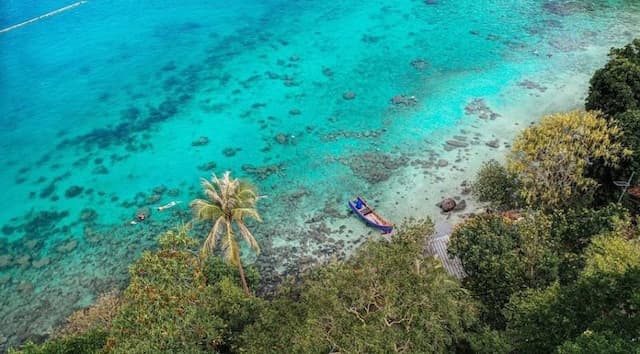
(605, 299)
(495, 185)
(629, 122)
(502, 257)
(615, 88)
(574, 228)
(387, 298)
(551, 158)
(169, 307)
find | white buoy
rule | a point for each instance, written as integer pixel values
(48, 14)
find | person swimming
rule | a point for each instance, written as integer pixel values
(139, 217)
(171, 204)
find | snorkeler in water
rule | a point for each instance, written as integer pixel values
(171, 204)
(139, 217)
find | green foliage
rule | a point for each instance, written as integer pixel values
(573, 229)
(502, 257)
(169, 307)
(629, 122)
(386, 298)
(551, 158)
(215, 269)
(494, 184)
(615, 88)
(605, 298)
(489, 341)
(597, 343)
(177, 239)
(91, 341)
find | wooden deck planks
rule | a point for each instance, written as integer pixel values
(437, 247)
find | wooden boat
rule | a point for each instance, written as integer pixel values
(370, 217)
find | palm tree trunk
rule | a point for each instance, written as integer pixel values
(243, 279)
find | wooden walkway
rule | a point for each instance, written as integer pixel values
(437, 247)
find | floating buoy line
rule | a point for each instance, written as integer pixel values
(41, 17)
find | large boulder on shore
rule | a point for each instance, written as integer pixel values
(447, 205)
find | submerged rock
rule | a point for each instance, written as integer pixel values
(493, 143)
(41, 263)
(349, 95)
(88, 215)
(5, 261)
(403, 100)
(73, 191)
(208, 166)
(229, 152)
(420, 64)
(461, 205)
(67, 247)
(282, 139)
(457, 143)
(201, 141)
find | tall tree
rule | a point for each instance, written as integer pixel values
(551, 158)
(615, 88)
(229, 202)
(604, 301)
(502, 257)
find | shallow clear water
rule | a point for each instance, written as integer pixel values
(103, 108)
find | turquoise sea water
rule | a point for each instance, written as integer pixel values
(114, 106)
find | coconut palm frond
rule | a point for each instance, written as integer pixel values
(248, 236)
(210, 241)
(210, 191)
(205, 210)
(206, 185)
(239, 214)
(247, 191)
(230, 247)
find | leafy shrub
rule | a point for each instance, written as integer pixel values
(573, 230)
(629, 122)
(216, 269)
(502, 257)
(604, 299)
(169, 306)
(551, 158)
(88, 342)
(598, 343)
(495, 185)
(615, 88)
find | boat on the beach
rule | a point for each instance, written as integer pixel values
(369, 216)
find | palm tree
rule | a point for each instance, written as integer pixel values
(229, 201)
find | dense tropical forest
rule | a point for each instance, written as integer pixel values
(553, 265)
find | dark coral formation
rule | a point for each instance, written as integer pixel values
(333, 136)
(201, 141)
(73, 191)
(207, 166)
(261, 173)
(478, 107)
(375, 167)
(531, 85)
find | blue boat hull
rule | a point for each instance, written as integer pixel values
(385, 228)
